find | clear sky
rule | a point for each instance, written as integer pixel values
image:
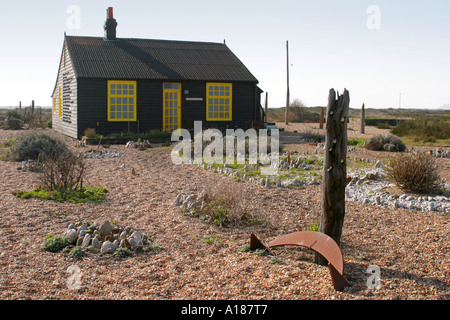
(377, 49)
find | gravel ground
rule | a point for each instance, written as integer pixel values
(410, 248)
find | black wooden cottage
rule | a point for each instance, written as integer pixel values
(114, 85)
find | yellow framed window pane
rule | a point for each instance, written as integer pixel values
(219, 101)
(122, 101)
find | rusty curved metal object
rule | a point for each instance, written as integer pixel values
(318, 242)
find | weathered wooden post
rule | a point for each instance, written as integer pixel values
(266, 107)
(335, 169)
(363, 119)
(321, 119)
(288, 90)
(32, 109)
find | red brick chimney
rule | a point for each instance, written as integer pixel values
(110, 25)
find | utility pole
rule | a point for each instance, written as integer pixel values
(288, 93)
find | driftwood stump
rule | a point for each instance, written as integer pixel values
(335, 168)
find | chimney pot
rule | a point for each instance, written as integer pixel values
(110, 13)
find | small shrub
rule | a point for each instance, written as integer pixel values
(414, 172)
(383, 125)
(54, 243)
(389, 143)
(63, 173)
(90, 133)
(32, 146)
(261, 252)
(122, 253)
(76, 253)
(13, 114)
(276, 260)
(244, 248)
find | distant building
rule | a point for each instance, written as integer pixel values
(114, 85)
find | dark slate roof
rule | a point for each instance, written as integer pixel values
(94, 57)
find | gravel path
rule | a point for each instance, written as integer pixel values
(411, 248)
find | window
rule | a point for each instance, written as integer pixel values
(54, 104)
(219, 101)
(122, 101)
(60, 102)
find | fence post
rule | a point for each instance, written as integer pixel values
(321, 119)
(363, 119)
(334, 168)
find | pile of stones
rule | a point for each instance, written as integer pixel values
(105, 238)
(30, 165)
(370, 187)
(99, 154)
(439, 153)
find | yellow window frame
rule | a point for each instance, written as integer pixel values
(60, 103)
(168, 89)
(116, 94)
(54, 104)
(219, 101)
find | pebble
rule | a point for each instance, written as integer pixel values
(108, 247)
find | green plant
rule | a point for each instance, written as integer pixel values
(414, 172)
(276, 260)
(212, 239)
(383, 125)
(54, 243)
(245, 248)
(89, 194)
(356, 142)
(427, 130)
(13, 114)
(122, 253)
(389, 143)
(313, 227)
(76, 253)
(36, 145)
(261, 252)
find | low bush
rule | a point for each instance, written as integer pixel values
(63, 173)
(32, 146)
(389, 143)
(54, 243)
(76, 253)
(223, 206)
(427, 130)
(414, 172)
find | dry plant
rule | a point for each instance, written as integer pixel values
(414, 172)
(223, 205)
(63, 173)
